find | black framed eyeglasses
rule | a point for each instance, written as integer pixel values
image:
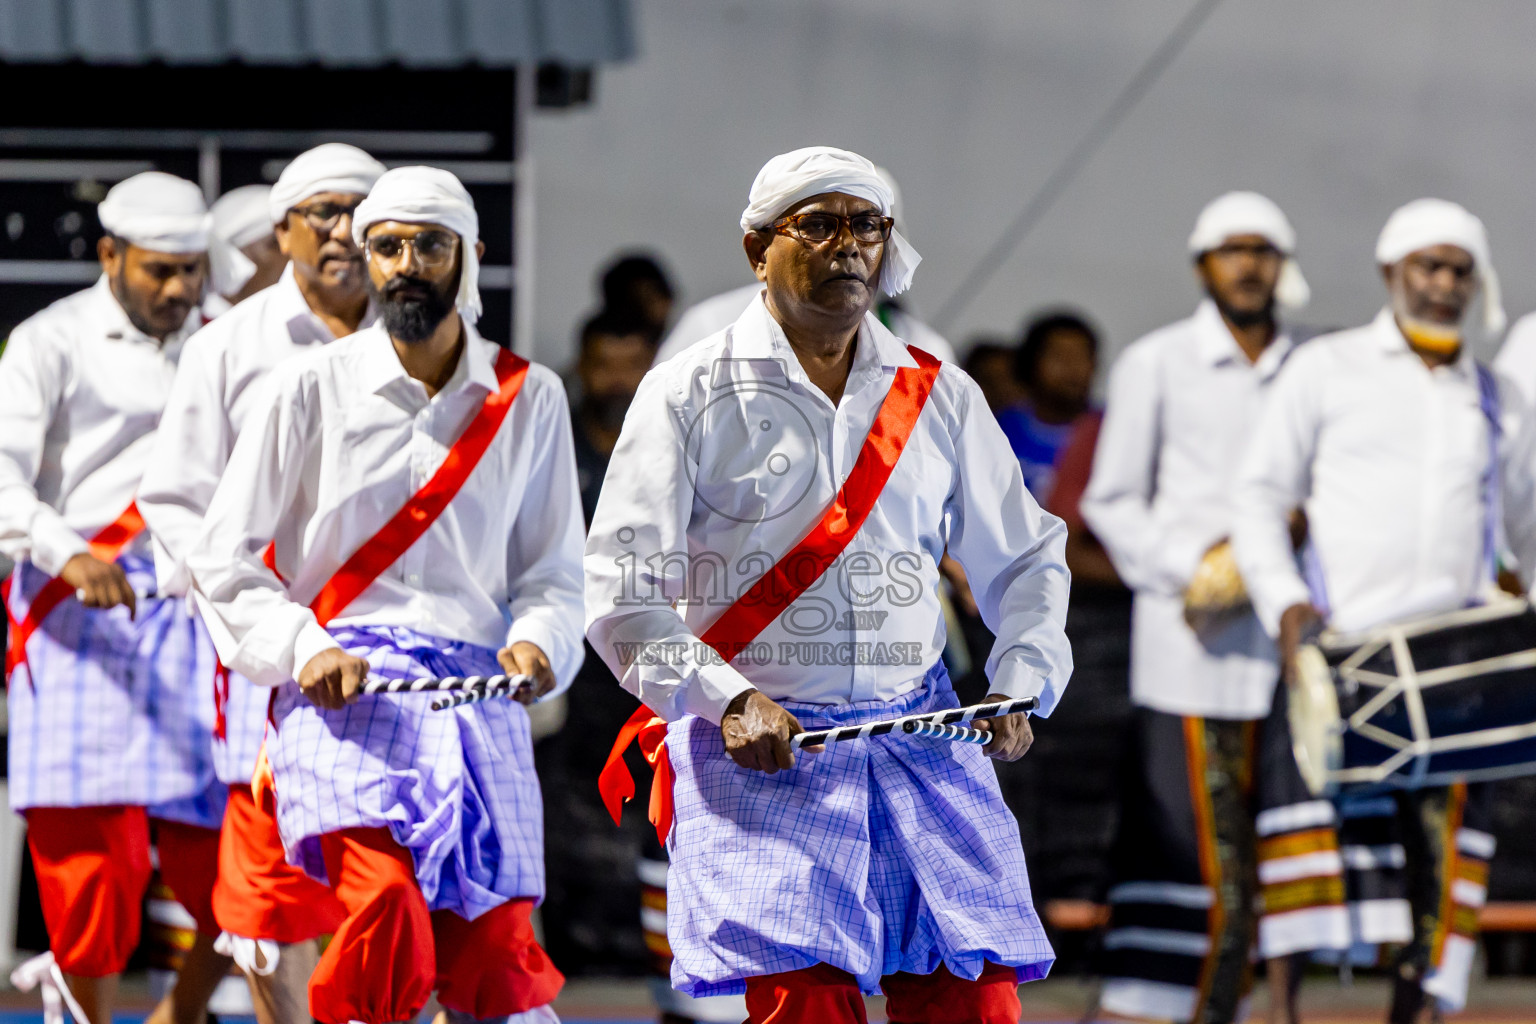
(323, 217)
(819, 226)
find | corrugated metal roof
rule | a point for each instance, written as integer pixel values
(341, 33)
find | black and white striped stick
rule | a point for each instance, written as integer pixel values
(512, 686)
(953, 733)
(432, 685)
(460, 689)
(961, 716)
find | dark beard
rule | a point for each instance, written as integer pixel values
(1246, 318)
(413, 319)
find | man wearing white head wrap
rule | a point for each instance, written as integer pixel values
(1413, 461)
(753, 454)
(461, 559)
(243, 254)
(270, 912)
(111, 722)
(1182, 403)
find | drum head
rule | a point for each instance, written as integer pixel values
(1314, 720)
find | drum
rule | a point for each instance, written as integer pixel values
(1442, 699)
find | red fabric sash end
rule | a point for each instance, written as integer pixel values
(618, 787)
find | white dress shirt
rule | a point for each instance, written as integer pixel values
(337, 443)
(81, 390)
(729, 454)
(1182, 403)
(1388, 456)
(215, 392)
(1517, 357)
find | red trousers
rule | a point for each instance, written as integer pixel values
(391, 952)
(259, 895)
(827, 995)
(92, 867)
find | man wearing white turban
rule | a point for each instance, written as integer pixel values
(764, 559)
(270, 913)
(243, 254)
(108, 729)
(1183, 402)
(1379, 432)
(417, 485)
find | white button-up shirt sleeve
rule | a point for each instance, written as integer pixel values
(645, 505)
(544, 549)
(1517, 476)
(274, 636)
(1517, 357)
(1014, 555)
(1118, 502)
(33, 375)
(1274, 478)
(192, 445)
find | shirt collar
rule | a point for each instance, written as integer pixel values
(1214, 341)
(381, 366)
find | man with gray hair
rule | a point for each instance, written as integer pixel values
(764, 560)
(108, 731)
(1412, 461)
(269, 912)
(417, 484)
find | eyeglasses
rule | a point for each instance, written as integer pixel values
(323, 217)
(432, 248)
(868, 228)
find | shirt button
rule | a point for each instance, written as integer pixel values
(413, 578)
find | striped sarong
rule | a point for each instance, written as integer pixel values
(881, 855)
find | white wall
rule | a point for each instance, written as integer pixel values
(1338, 109)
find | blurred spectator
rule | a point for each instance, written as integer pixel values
(1066, 797)
(989, 361)
(1054, 365)
(591, 917)
(637, 290)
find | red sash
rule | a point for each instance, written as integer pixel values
(106, 545)
(405, 527)
(785, 581)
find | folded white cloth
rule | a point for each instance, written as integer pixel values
(158, 211)
(331, 167)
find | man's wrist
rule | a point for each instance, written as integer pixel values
(738, 703)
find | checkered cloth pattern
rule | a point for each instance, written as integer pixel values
(245, 726)
(111, 709)
(881, 855)
(457, 788)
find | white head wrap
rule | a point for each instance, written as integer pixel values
(332, 167)
(429, 195)
(1424, 223)
(790, 177)
(1249, 213)
(155, 210)
(239, 218)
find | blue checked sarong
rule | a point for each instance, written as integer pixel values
(114, 710)
(457, 788)
(880, 855)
